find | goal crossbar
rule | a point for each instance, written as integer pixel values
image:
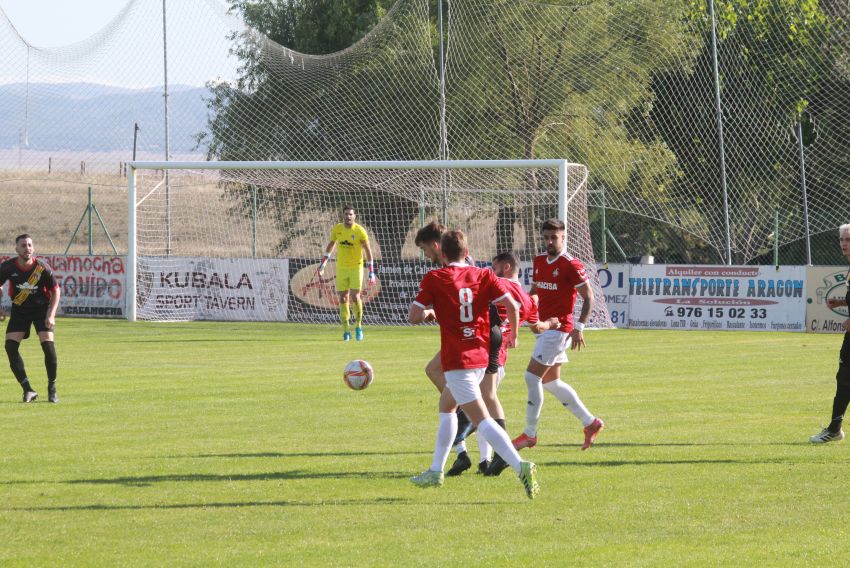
(133, 166)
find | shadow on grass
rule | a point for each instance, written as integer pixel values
(621, 463)
(234, 505)
(298, 455)
(147, 480)
(178, 340)
(678, 444)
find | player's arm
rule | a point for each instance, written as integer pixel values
(541, 326)
(533, 294)
(419, 311)
(2, 311)
(367, 254)
(577, 334)
(325, 257)
(420, 314)
(50, 320)
(512, 307)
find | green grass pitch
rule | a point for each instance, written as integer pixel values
(238, 444)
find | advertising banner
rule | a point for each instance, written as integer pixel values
(824, 282)
(749, 298)
(313, 298)
(90, 286)
(615, 285)
(216, 289)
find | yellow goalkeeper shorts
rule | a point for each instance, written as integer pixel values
(349, 279)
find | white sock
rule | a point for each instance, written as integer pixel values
(569, 398)
(535, 403)
(484, 448)
(460, 447)
(489, 430)
(446, 432)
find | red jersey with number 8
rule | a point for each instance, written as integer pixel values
(460, 296)
(556, 282)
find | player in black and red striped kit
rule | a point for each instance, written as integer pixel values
(35, 299)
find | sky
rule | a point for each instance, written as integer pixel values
(197, 44)
(52, 23)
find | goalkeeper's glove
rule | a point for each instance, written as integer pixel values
(322, 265)
(372, 277)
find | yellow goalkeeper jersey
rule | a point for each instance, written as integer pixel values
(349, 243)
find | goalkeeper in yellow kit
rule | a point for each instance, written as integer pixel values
(353, 246)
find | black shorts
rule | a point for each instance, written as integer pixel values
(844, 354)
(495, 346)
(23, 320)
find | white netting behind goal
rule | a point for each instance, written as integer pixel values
(245, 244)
(625, 87)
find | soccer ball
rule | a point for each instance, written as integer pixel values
(358, 375)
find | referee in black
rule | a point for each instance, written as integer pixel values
(833, 432)
(35, 298)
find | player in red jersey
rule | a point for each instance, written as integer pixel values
(428, 240)
(459, 296)
(35, 299)
(558, 279)
(506, 266)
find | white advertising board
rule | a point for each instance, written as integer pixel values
(824, 282)
(217, 289)
(89, 286)
(746, 298)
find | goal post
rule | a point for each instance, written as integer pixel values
(286, 210)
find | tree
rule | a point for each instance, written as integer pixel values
(366, 102)
(775, 62)
(534, 81)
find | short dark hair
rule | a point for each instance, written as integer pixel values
(510, 258)
(346, 208)
(453, 245)
(23, 236)
(430, 233)
(553, 224)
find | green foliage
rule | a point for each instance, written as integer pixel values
(773, 69)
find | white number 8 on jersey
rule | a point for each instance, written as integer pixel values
(465, 296)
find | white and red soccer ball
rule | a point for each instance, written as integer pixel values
(358, 375)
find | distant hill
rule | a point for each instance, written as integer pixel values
(100, 118)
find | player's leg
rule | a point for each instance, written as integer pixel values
(464, 429)
(534, 405)
(16, 363)
(434, 371)
(569, 398)
(50, 363)
(16, 331)
(498, 438)
(446, 430)
(357, 303)
(833, 432)
(489, 393)
(344, 306)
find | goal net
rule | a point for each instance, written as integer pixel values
(242, 241)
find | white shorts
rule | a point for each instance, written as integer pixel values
(463, 384)
(551, 347)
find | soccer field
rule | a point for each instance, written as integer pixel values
(238, 444)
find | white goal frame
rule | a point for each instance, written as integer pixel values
(134, 166)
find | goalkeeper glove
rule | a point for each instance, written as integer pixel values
(322, 265)
(372, 277)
